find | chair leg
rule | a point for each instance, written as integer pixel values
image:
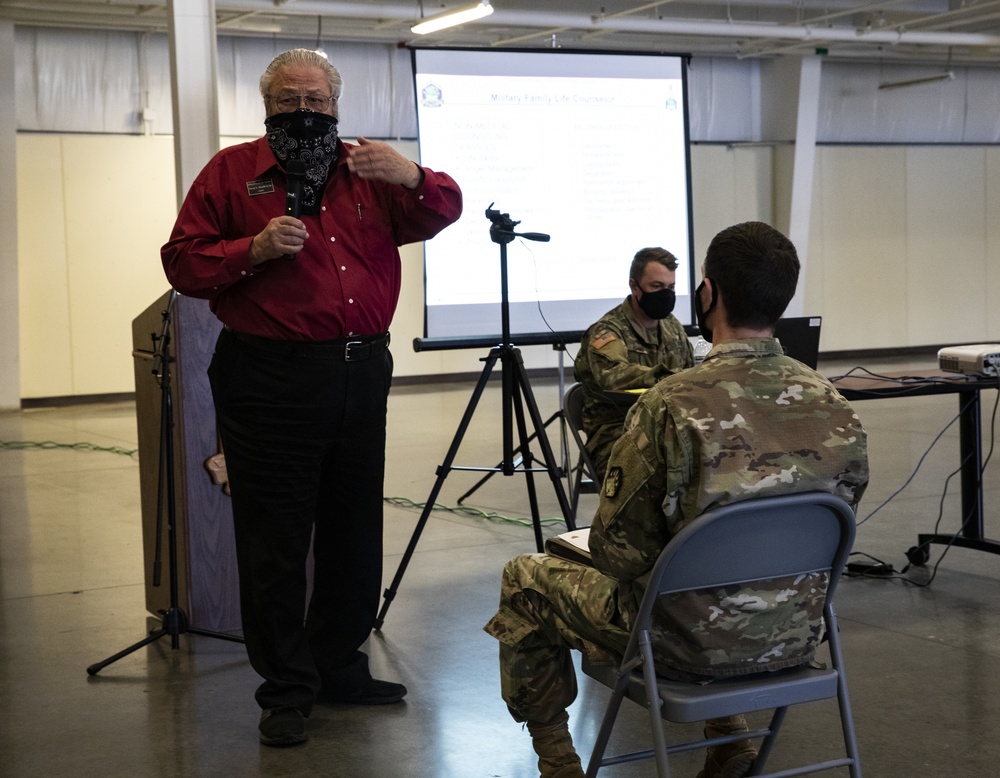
(604, 734)
(655, 706)
(768, 742)
(843, 700)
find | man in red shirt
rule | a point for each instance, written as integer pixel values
(301, 374)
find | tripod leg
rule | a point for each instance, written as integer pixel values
(153, 636)
(442, 473)
(529, 473)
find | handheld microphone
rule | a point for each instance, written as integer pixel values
(295, 175)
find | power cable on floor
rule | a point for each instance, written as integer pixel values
(21, 445)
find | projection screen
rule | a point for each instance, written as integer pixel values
(590, 148)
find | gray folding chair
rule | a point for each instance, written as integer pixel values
(582, 476)
(752, 540)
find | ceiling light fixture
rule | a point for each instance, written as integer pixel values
(453, 18)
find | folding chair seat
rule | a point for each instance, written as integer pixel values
(740, 543)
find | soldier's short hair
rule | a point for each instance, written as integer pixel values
(651, 254)
(756, 268)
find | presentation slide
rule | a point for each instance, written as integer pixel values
(588, 148)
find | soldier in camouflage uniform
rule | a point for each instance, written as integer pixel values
(748, 422)
(632, 347)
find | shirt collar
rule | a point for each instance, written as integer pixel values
(746, 347)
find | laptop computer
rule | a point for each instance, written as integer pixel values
(799, 336)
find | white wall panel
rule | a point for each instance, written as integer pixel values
(83, 82)
(95, 210)
(729, 185)
(724, 99)
(115, 226)
(860, 248)
(43, 298)
(992, 242)
(946, 250)
(965, 109)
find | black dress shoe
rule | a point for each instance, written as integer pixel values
(282, 726)
(353, 684)
(370, 692)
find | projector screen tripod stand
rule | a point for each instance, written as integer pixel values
(516, 395)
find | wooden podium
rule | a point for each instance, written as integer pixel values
(208, 583)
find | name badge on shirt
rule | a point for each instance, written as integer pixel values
(260, 187)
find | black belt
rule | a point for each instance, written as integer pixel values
(347, 349)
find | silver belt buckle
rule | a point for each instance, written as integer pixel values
(347, 350)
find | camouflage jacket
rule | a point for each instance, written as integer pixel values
(748, 422)
(618, 353)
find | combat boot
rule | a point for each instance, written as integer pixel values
(552, 742)
(731, 760)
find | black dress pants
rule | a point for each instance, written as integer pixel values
(303, 433)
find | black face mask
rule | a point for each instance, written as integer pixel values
(310, 137)
(658, 304)
(702, 314)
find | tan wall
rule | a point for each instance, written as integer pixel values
(902, 253)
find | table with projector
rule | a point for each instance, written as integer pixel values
(965, 371)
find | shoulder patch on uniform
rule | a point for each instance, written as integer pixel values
(603, 340)
(612, 482)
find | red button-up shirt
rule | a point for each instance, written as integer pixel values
(344, 282)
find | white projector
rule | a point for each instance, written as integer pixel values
(983, 359)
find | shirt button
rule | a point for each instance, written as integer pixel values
(243, 272)
(343, 267)
(333, 240)
(350, 334)
(420, 197)
(322, 207)
(351, 300)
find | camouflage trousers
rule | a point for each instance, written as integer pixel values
(549, 606)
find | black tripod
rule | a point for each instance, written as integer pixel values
(175, 621)
(516, 393)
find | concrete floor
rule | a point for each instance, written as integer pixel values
(923, 662)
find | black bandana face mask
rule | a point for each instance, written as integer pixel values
(658, 304)
(310, 137)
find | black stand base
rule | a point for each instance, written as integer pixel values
(175, 624)
(175, 621)
(920, 553)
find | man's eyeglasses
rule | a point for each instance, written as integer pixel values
(293, 102)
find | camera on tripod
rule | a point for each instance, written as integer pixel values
(502, 231)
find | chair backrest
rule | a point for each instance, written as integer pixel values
(573, 408)
(755, 540)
